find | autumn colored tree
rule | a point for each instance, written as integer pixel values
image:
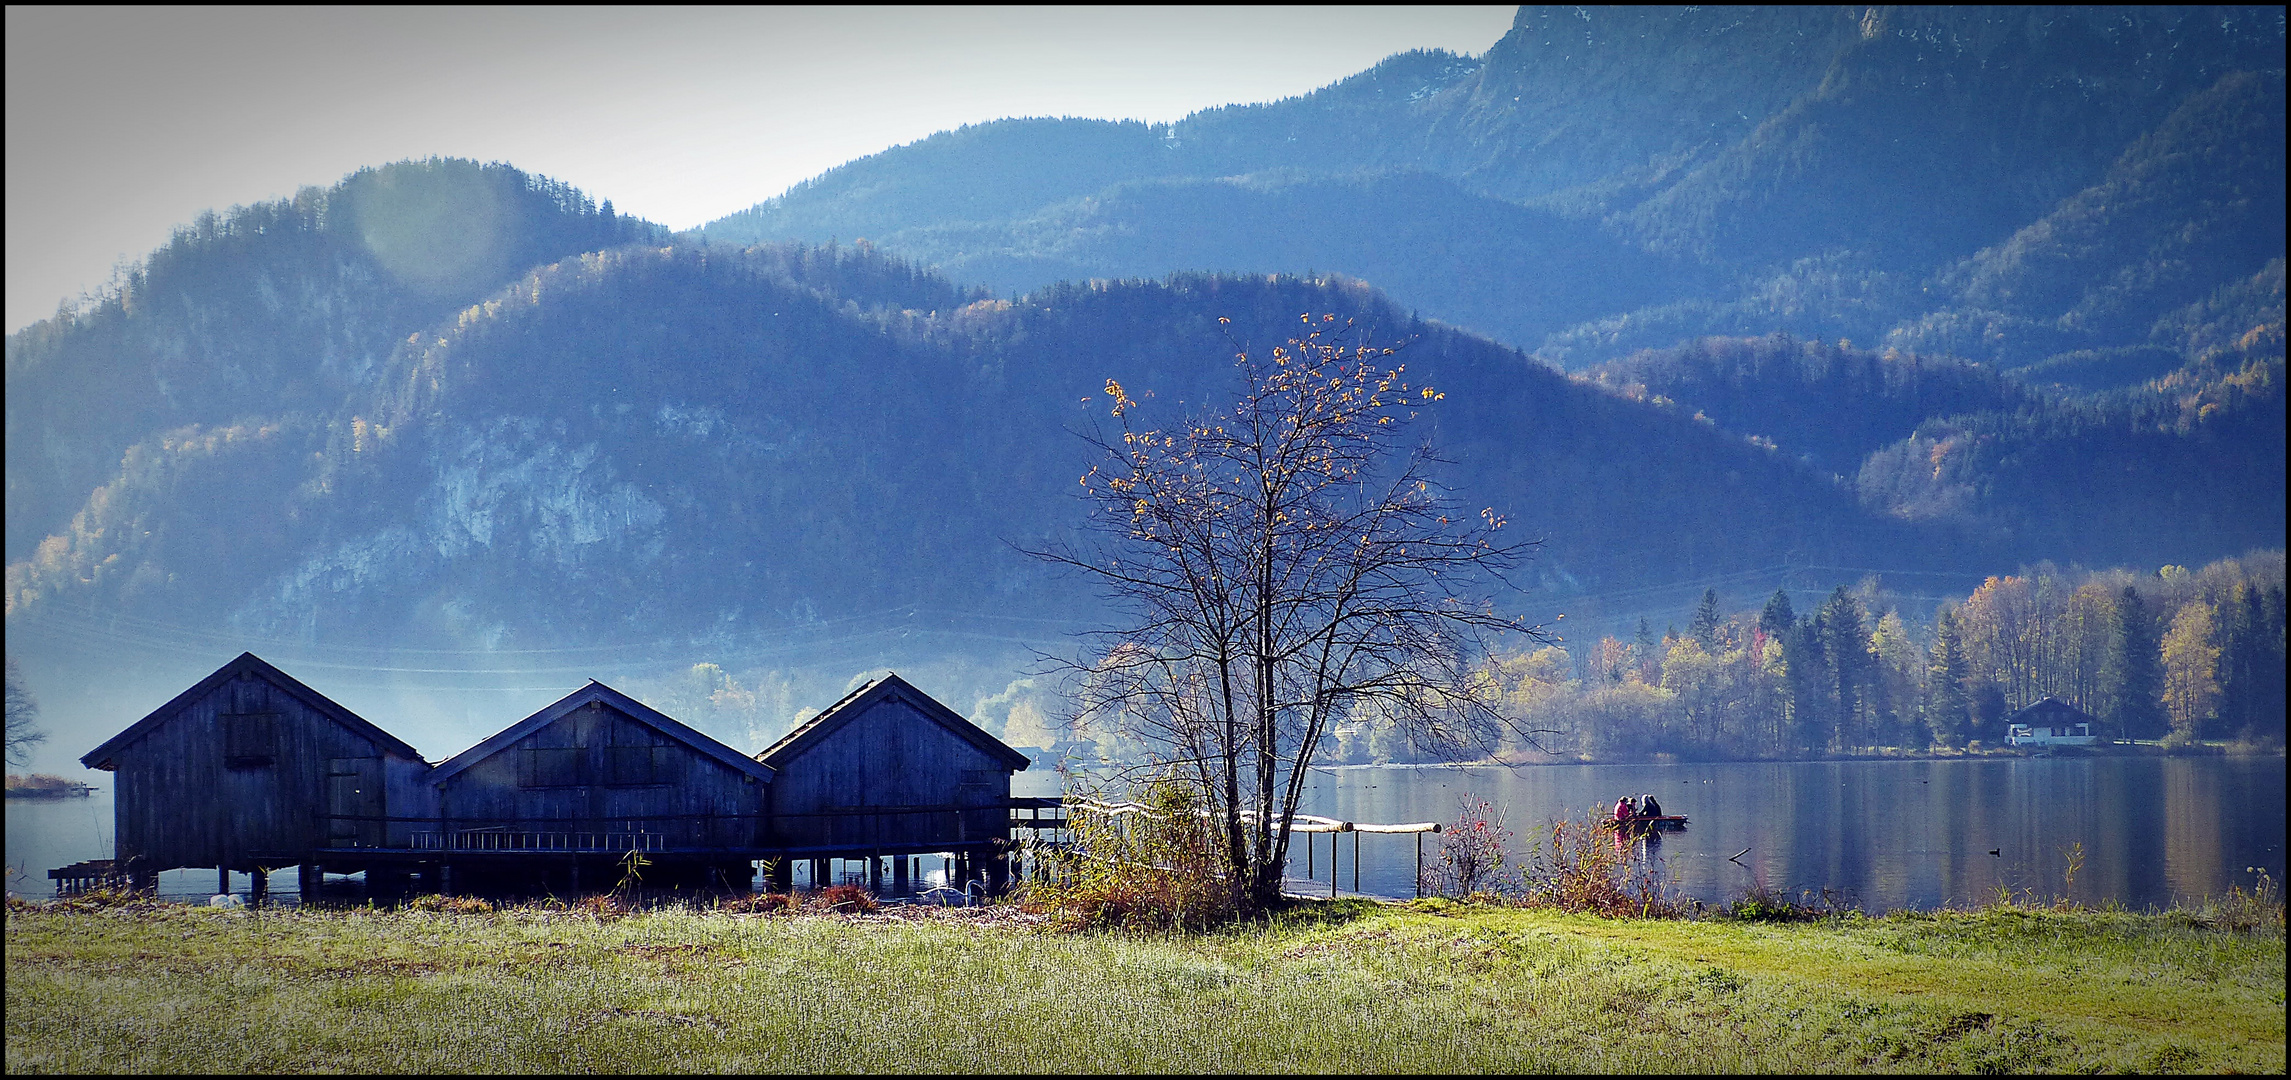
(2191, 669)
(1286, 564)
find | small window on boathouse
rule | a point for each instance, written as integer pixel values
(250, 740)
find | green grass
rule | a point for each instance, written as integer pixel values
(1348, 987)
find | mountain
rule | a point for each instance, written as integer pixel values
(2004, 184)
(1832, 405)
(455, 407)
(670, 440)
(280, 308)
(2193, 459)
(1421, 237)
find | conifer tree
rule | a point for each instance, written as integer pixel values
(1803, 687)
(2240, 663)
(1946, 702)
(1845, 650)
(2132, 676)
(1777, 618)
(1707, 620)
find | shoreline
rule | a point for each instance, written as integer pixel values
(2140, 750)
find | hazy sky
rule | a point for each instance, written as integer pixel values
(125, 122)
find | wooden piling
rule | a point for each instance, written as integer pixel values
(259, 890)
(223, 880)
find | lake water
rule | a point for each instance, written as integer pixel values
(1888, 834)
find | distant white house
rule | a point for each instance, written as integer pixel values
(2050, 722)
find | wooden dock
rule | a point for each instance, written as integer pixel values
(79, 877)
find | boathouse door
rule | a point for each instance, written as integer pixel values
(354, 802)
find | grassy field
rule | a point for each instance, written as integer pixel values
(1344, 987)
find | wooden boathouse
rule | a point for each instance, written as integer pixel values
(889, 772)
(560, 797)
(250, 770)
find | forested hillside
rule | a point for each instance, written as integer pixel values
(280, 308)
(2093, 479)
(2008, 185)
(453, 405)
(663, 440)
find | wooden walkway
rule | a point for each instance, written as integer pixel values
(1311, 889)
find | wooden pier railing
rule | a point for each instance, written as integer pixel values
(1309, 824)
(504, 840)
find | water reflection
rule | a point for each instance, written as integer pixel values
(1887, 834)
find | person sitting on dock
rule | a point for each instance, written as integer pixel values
(1648, 807)
(1624, 811)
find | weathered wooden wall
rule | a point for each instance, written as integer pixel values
(595, 770)
(180, 803)
(890, 755)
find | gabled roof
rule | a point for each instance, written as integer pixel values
(595, 692)
(2049, 704)
(810, 732)
(246, 664)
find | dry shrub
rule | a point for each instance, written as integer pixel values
(2259, 909)
(1580, 866)
(1161, 869)
(451, 905)
(107, 898)
(1761, 903)
(768, 903)
(850, 899)
(610, 905)
(1474, 856)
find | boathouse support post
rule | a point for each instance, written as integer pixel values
(874, 873)
(306, 880)
(899, 875)
(223, 880)
(259, 889)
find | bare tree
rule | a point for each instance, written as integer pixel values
(23, 715)
(1284, 565)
